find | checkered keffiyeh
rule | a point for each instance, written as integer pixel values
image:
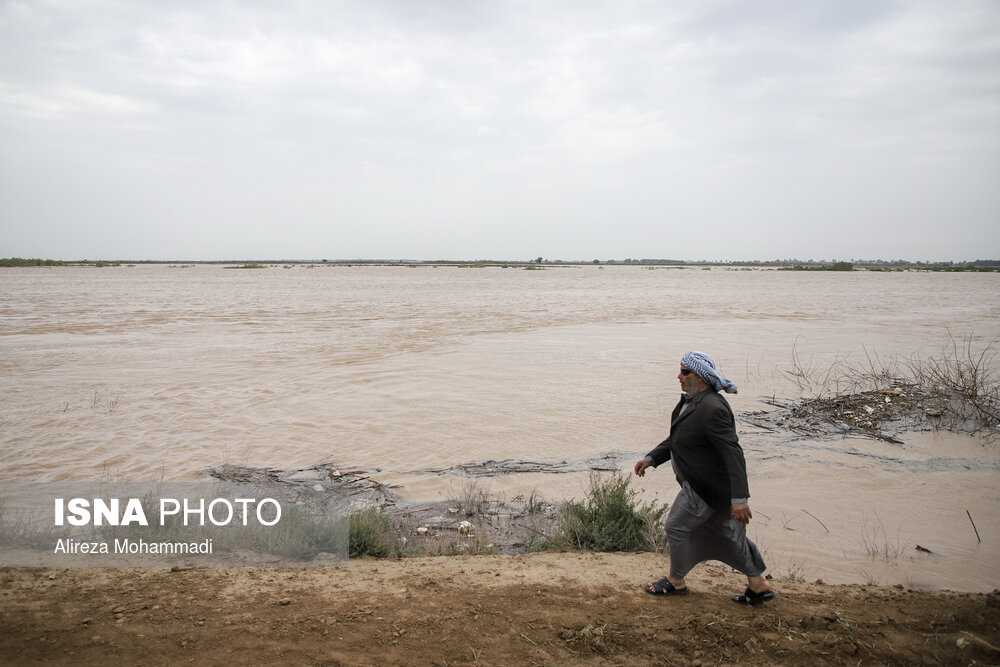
(704, 367)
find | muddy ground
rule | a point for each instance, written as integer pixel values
(534, 609)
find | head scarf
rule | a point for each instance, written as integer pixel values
(704, 367)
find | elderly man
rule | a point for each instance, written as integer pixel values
(708, 518)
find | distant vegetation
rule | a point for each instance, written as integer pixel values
(836, 266)
(954, 268)
(979, 265)
(18, 261)
(787, 264)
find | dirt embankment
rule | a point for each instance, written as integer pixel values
(537, 609)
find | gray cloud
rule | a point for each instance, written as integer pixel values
(454, 129)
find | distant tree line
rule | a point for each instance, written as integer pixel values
(836, 266)
(790, 264)
(18, 261)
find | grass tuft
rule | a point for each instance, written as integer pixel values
(371, 534)
(472, 498)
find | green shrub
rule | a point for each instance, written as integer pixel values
(371, 534)
(611, 519)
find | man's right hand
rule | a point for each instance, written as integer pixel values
(640, 467)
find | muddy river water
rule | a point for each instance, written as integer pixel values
(158, 372)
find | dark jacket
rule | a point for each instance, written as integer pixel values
(705, 449)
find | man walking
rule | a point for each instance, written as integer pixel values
(709, 516)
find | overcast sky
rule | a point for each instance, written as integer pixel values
(500, 130)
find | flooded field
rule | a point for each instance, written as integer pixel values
(159, 372)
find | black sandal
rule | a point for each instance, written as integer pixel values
(664, 587)
(751, 598)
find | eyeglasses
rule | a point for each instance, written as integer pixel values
(686, 371)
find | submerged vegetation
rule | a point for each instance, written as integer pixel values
(957, 389)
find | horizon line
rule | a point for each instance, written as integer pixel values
(538, 260)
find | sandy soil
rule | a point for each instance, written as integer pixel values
(534, 609)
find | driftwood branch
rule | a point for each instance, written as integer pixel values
(817, 521)
(974, 526)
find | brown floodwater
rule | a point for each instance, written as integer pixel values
(157, 372)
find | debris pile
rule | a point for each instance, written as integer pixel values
(475, 522)
(882, 415)
(356, 484)
(606, 462)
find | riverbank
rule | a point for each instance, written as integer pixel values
(545, 608)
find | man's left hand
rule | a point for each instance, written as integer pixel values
(742, 513)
